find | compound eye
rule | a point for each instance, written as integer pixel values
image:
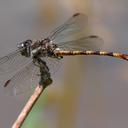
(27, 43)
(24, 44)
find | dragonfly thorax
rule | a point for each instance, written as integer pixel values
(47, 44)
(47, 48)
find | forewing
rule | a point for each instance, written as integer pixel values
(72, 26)
(22, 81)
(12, 62)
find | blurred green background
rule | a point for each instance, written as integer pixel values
(87, 91)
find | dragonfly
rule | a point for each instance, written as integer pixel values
(23, 68)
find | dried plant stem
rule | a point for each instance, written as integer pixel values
(24, 113)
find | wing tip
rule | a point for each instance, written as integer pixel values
(76, 14)
(7, 83)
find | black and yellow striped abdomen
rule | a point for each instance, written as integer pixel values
(100, 53)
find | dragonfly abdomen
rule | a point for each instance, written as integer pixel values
(100, 53)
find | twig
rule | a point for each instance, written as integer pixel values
(24, 113)
(45, 80)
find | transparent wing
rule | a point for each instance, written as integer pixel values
(53, 64)
(12, 62)
(24, 80)
(74, 25)
(86, 43)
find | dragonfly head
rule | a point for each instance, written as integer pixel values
(25, 48)
(24, 44)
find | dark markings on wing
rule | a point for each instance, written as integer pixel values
(76, 14)
(7, 83)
